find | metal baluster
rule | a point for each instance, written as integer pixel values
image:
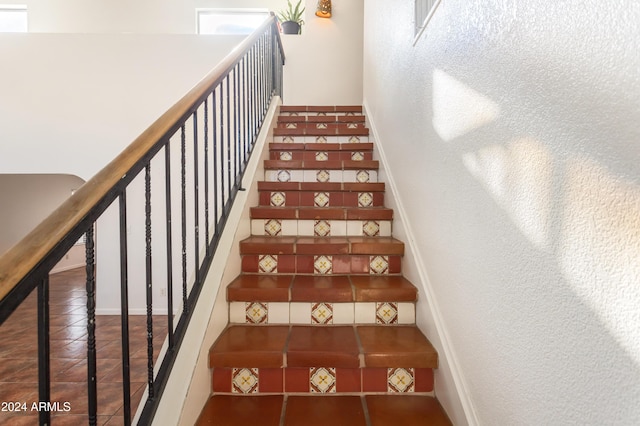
(92, 384)
(167, 186)
(221, 142)
(206, 176)
(229, 183)
(183, 175)
(196, 201)
(215, 162)
(44, 367)
(245, 98)
(149, 282)
(124, 311)
(236, 113)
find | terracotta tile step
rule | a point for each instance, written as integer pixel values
(321, 199)
(322, 313)
(313, 131)
(321, 380)
(321, 175)
(321, 245)
(326, 146)
(323, 264)
(354, 140)
(365, 346)
(294, 410)
(321, 155)
(322, 186)
(320, 288)
(322, 213)
(324, 228)
(318, 124)
(321, 165)
(321, 108)
(329, 118)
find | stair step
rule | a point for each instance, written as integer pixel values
(295, 410)
(322, 186)
(322, 213)
(318, 123)
(326, 146)
(322, 228)
(336, 380)
(321, 199)
(321, 175)
(338, 130)
(321, 165)
(321, 264)
(320, 108)
(320, 155)
(322, 312)
(319, 288)
(328, 118)
(276, 346)
(321, 245)
(356, 140)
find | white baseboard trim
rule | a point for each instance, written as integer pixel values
(412, 251)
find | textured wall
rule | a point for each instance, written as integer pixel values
(512, 132)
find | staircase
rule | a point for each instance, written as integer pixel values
(322, 322)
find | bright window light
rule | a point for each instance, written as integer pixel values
(13, 18)
(229, 21)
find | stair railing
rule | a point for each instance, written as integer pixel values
(214, 128)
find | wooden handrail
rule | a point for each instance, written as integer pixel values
(28, 253)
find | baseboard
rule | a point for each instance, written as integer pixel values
(412, 255)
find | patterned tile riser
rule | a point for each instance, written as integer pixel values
(336, 228)
(322, 379)
(360, 176)
(333, 264)
(322, 313)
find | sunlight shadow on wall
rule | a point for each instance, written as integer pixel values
(458, 109)
(519, 178)
(599, 250)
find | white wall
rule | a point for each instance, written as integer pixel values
(511, 134)
(82, 98)
(324, 63)
(25, 200)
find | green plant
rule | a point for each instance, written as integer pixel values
(292, 13)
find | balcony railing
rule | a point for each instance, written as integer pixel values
(196, 153)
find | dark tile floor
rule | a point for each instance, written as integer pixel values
(68, 336)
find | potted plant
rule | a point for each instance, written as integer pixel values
(291, 18)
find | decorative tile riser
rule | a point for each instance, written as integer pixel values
(321, 139)
(293, 227)
(321, 175)
(314, 118)
(323, 109)
(321, 264)
(318, 313)
(320, 155)
(322, 380)
(321, 199)
(325, 125)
